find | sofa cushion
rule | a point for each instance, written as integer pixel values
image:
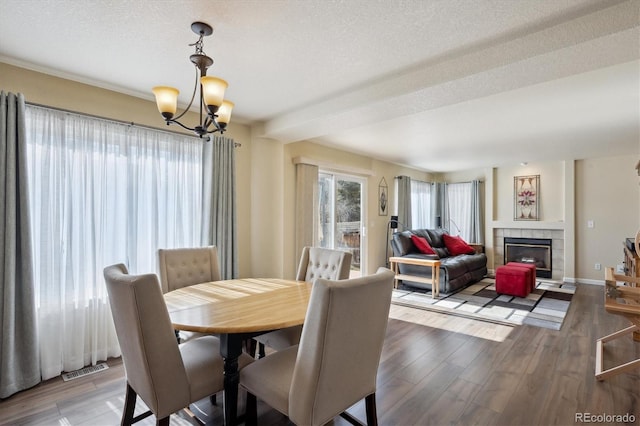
(403, 243)
(457, 246)
(422, 245)
(434, 236)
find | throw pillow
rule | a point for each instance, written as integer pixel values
(422, 245)
(456, 245)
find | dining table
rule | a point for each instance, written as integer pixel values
(237, 310)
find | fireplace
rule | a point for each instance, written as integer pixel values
(530, 250)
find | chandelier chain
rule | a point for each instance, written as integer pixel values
(198, 44)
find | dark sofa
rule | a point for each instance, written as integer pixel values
(456, 272)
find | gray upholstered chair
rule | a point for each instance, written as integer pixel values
(335, 365)
(181, 267)
(168, 377)
(315, 262)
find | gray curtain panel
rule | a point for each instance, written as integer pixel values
(477, 209)
(306, 206)
(19, 362)
(219, 199)
(404, 202)
(440, 206)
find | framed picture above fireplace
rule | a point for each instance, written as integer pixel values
(526, 195)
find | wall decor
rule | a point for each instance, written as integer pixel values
(383, 198)
(526, 197)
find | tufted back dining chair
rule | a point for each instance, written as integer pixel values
(166, 376)
(318, 262)
(315, 262)
(181, 267)
(336, 363)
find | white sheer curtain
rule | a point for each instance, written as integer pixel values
(460, 212)
(101, 193)
(421, 216)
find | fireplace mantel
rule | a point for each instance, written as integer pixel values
(528, 224)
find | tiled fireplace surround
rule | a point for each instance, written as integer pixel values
(557, 245)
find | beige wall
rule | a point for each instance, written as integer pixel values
(551, 191)
(607, 194)
(603, 190)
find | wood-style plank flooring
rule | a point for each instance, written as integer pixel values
(435, 370)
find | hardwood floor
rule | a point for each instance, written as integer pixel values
(435, 369)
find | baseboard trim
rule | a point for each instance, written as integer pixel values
(584, 281)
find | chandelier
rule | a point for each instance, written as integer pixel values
(215, 112)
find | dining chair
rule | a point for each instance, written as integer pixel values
(336, 362)
(166, 376)
(315, 262)
(182, 267)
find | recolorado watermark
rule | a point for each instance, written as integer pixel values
(604, 418)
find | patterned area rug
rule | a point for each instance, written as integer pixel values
(546, 306)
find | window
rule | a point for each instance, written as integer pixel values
(421, 202)
(459, 196)
(101, 193)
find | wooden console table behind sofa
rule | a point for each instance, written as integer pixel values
(435, 272)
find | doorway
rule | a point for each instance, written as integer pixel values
(341, 216)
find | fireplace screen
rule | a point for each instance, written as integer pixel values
(530, 250)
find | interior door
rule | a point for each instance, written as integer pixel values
(341, 216)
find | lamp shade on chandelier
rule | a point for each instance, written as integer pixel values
(215, 111)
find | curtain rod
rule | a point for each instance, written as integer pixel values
(479, 180)
(113, 120)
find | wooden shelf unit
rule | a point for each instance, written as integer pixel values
(631, 262)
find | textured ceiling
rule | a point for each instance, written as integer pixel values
(438, 85)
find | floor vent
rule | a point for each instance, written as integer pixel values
(84, 372)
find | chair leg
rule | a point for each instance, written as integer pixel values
(251, 413)
(213, 399)
(261, 351)
(163, 422)
(250, 347)
(370, 406)
(177, 332)
(129, 406)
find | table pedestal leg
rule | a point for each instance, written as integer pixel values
(230, 349)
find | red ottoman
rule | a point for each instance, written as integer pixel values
(513, 280)
(530, 266)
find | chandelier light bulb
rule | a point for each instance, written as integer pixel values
(224, 112)
(213, 91)
(167, 100)
(215, 112)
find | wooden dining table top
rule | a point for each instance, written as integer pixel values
(242, 305)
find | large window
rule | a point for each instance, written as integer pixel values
(456, 207)
(101, 193)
